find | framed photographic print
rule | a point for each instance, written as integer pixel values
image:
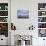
(23, 14)
(4, 29)
(42, 32)
(3, 19)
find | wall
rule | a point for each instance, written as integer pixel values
(23, 24)
(32, 5)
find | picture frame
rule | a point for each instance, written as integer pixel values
(22, 14)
